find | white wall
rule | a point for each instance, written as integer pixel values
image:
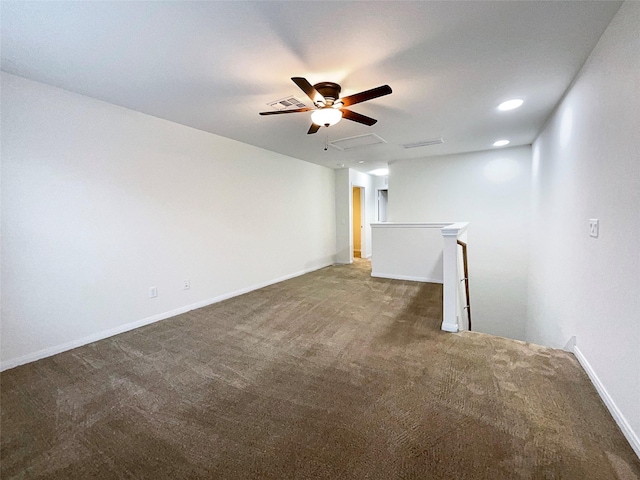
(408, 251)
(344, 249)
(99, 203)
(491, 190)
(586, 164)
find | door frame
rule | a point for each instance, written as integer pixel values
(363, 221)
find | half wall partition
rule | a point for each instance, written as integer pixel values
(423, 252)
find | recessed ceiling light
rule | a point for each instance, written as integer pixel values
(500, 143)
(380, 172)
(510, 104)
(361, 161)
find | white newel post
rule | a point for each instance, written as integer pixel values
(450, 300)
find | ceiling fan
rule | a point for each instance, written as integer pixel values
(329, 107)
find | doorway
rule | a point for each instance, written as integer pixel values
(357, 220)
(383, 200)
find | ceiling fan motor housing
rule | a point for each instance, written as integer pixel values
(329, 90)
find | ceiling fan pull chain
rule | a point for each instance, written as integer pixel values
(326, 140)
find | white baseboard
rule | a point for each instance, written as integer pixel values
(620, 419)
(54, 350)
(405, 277)
(570, 345)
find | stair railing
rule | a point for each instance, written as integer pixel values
(466, 279)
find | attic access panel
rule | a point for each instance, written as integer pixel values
(359, 141)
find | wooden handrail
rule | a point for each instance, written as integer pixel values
(466, 278)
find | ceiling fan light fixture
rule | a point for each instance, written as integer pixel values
(326, 116)
(328, 105)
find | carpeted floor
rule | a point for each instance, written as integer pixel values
(332, 375)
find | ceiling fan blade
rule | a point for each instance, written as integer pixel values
(309, 89)
(356, 117)
(279, 112)
(366, 95)
(313, 128)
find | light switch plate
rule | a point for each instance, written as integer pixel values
(594, 227)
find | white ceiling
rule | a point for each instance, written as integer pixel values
(215, 65)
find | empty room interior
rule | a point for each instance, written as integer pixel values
(304, 240)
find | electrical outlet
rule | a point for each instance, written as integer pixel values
(153, 292)
(186, 284)
(594, 227)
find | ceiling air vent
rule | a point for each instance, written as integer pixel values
(426, 143)
(287, 102)
(360, 141)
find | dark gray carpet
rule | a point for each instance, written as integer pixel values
(333, 375)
